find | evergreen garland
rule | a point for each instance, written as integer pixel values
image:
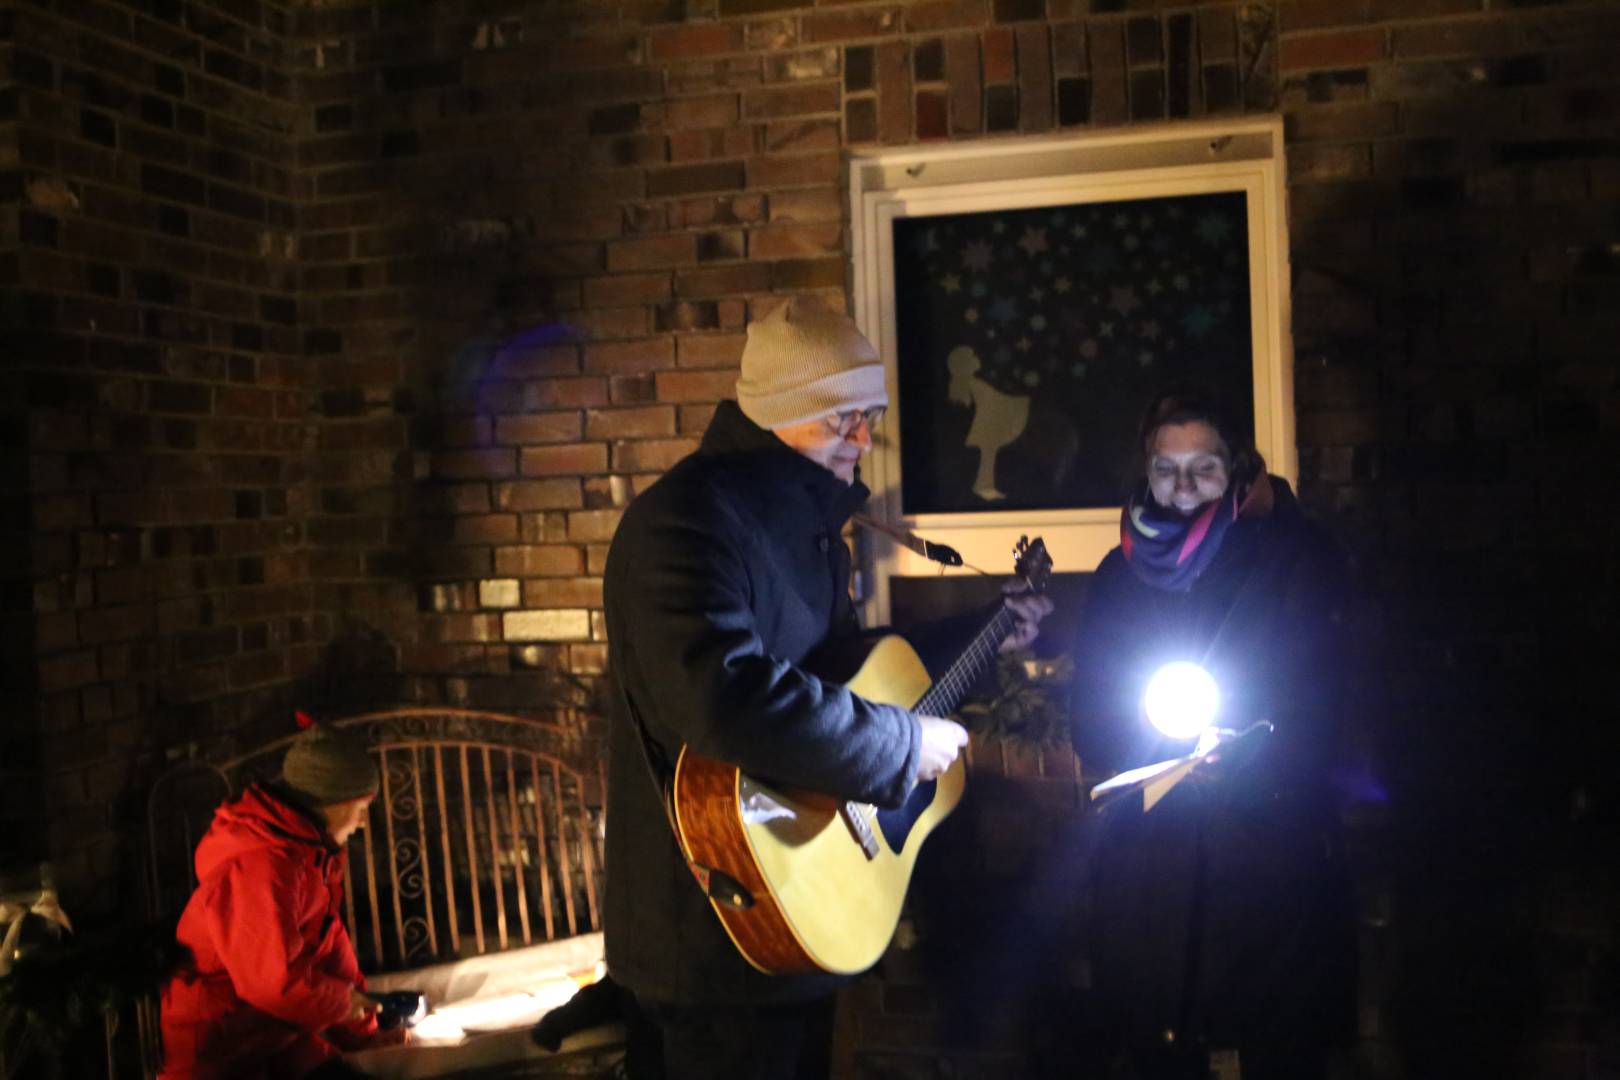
(1023, 708)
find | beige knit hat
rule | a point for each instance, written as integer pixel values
(802, 361)
(327, 767)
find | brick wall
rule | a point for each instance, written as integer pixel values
(1453, 212)
(347, 330)
(155, 368)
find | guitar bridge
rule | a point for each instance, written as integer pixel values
(860, 828)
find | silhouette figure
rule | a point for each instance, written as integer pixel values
(998, 418)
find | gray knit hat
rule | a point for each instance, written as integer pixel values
(327, 766)
(802, 361)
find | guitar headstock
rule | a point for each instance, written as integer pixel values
(1033, 564)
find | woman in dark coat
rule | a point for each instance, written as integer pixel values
(1220, 920)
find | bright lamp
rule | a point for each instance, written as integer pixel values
(1181, 700)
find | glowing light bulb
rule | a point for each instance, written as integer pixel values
(1181, 700)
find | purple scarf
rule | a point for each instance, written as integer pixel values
(1169, 551)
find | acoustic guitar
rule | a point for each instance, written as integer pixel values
(804, 882)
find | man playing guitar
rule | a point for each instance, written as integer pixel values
(723, 577)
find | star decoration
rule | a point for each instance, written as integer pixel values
(977, 256)
(1123, 300)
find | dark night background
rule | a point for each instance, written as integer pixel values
(337, 334)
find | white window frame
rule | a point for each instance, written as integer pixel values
(1175, 159)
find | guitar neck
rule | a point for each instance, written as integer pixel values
(943, 697)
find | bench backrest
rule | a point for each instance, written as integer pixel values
(482, 838)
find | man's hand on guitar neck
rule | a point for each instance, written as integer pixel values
(1030, 608)
(942, 740)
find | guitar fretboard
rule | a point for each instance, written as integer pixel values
(943, 697)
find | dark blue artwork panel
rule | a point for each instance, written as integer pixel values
(1031, 340)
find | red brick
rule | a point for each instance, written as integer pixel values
(1358, 121)
(722, 281)
(1468, 38)
(1068, 50)
(935, 15)
(893, 68)
(709, 350)
(473, 464)
(520, 495)
(793, 135)
(690, 179)
(619, 185)
(595, 52)
(116, 623)
(679, 386)
(527, 560)
(650, 454)
(806, 206)
(644, 422)
(706, 76)
(563, 593)
(787, 241)
(999, 62)
(633, 389)
(694, 41)
(962, 76)
(565, 460)
(651, 252)
(850, 25)
(773, 102)
(708, 111)
(723, 210)
(1339, 428)
(1333, 162)
(587, 525)
(728, 142)
(806, 64)
(797, 275)
(648, 354)
(485, 529)
(472, 626)
(537, 428)
(1345, 48)
(795, 170)
(694, 419)
(1316, 14)
(519, 362)
(626, 289)
(255, 670)
(1034, 79)
(551, 393)
(597, 324)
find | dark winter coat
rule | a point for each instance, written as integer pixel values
(1221, 914)
(271, 961)
(723, 577)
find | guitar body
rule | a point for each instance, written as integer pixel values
(826, 878)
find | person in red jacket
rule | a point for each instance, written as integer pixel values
(273, 988)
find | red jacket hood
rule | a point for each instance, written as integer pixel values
(255, 819)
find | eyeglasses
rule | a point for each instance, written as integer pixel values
(846, 423)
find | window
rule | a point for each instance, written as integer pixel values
(1028, 298)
